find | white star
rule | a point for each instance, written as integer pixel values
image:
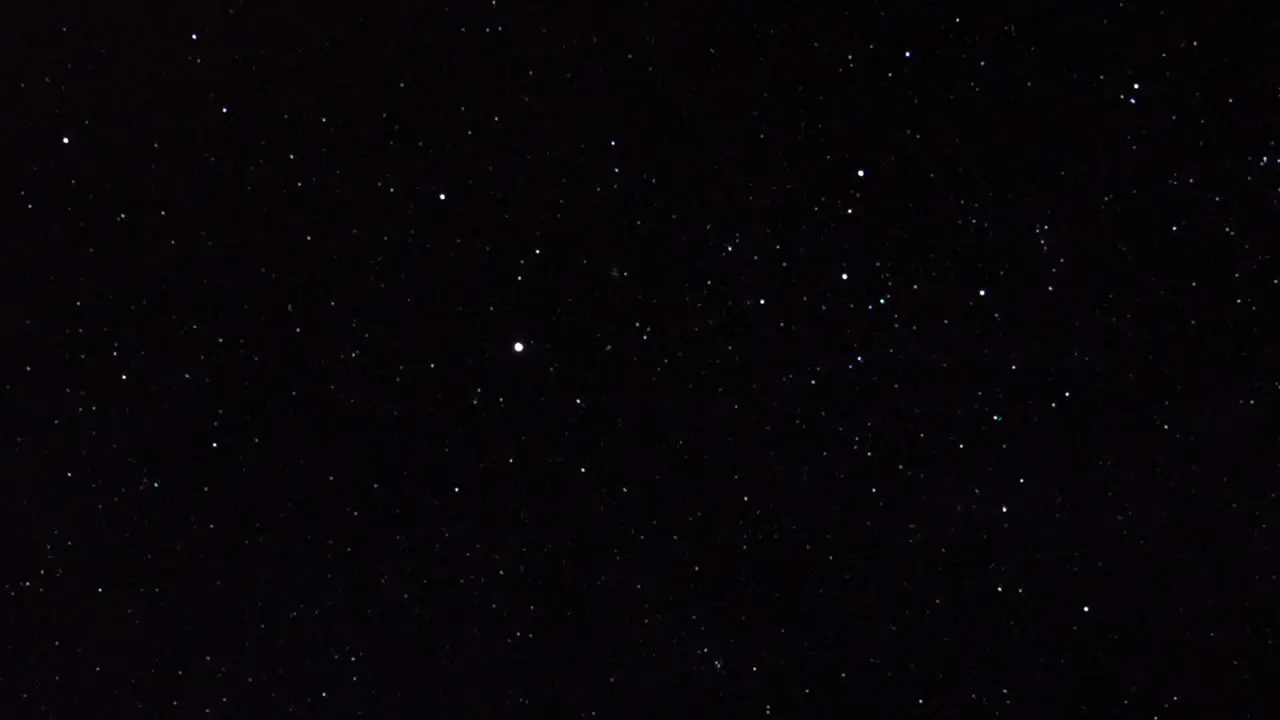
(519, 347)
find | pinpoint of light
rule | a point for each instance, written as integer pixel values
(982, 293)
(861, 173)
(441, 196)
(519, 347)
(66, 140)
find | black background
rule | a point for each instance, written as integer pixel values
(270, 452)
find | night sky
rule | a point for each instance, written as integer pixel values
(797, 362)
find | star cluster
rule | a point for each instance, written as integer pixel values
(363, 363)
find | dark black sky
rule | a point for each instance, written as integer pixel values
(875, 363)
